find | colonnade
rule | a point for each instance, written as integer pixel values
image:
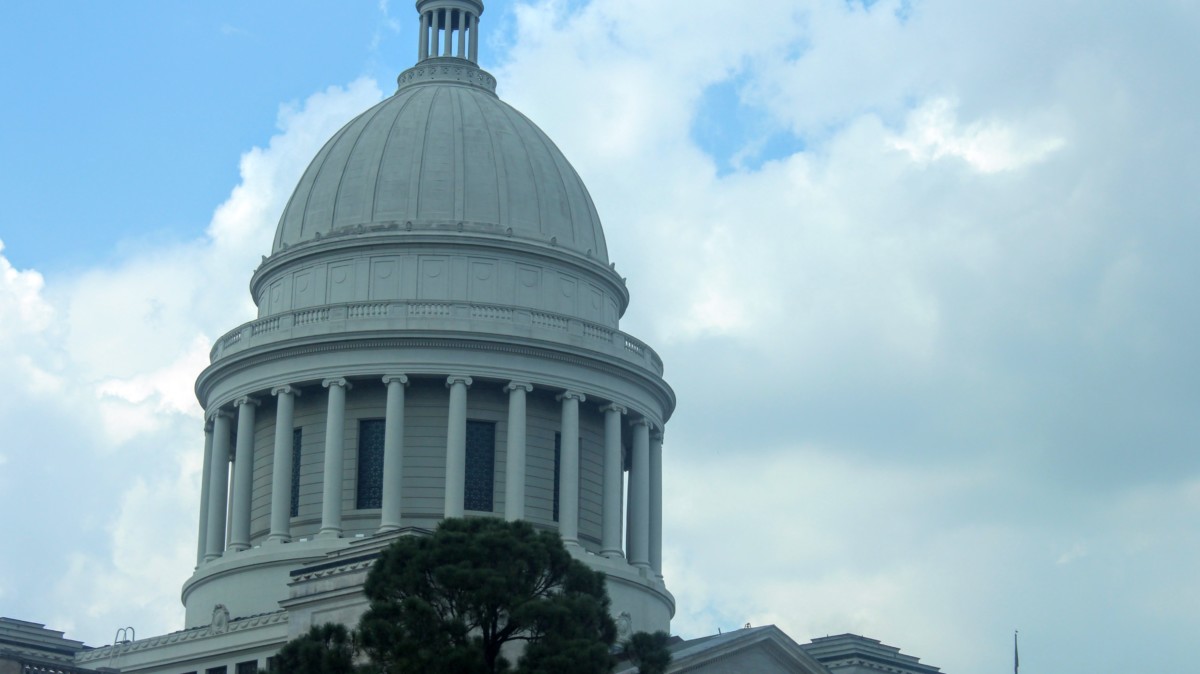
(440, 25)
(643, 522)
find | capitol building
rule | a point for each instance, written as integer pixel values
(438, 335)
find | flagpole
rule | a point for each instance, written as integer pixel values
(1016, 655)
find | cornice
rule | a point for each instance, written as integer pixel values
(193, 634)
(342, 342)
(460, 237)
(505, 322)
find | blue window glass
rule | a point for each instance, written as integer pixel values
(481, 465)
(295, 509)
(370, 464)
(557, 458)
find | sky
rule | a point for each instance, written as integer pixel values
(923, 274)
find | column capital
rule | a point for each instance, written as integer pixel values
(337, 381)
(459, 379)
(285, 388)
(656, 434)
(208, 425)
(219, 412)
(614, 407)
(247, 400)
(641, 421)
(514, 385)
(571, 395)
(399, 378)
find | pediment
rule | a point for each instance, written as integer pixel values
(760, 650)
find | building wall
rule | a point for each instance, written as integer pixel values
(438, 277)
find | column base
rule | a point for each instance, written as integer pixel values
(277, 539)
(612, 554)
(388, 528)
(328, 533)
(238, 547)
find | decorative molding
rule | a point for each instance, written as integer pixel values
(349, 567)
(191, 634)
(337, 381)
(610, 339)
(447, 70)
(423, 234)
(267, 354)
(220, 620)
(247, 400)
(615, 407)
(571, 395)
(459, 379)
(286, 388)
(514, 385)
(401, 378)
(219, 412)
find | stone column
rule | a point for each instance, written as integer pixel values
(456, 445)
(423, 43)
(474, 53)
(205, 480)
(393, 452)
(229, 498)
(448, 34)
(335, 438)
(639, 496)
(462, 34)
(282, 468)
(218, 486)
(514, 464)
(610, 542)
(568, 468)
(243, 474)
(656, 440)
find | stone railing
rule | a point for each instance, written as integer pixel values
(451, 316)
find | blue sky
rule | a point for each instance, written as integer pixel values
(922, 274)
(140, 110)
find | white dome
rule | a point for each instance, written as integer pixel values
(444, 153)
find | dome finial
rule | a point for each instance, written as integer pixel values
(449, 28)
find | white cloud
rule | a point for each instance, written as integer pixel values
(915, 357)
(933, 132)
(117, 348)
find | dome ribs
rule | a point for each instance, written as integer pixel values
(380, 186)
(535, 222)
(395, 200)
(564, 205)
(437, 165)
(487, 163)
(418, 162)
(288, 223)
(598, 238)
(460, 157)
(318, 210)
(356, 169)
(436, 154)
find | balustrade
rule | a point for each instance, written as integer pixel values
(597, 336)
